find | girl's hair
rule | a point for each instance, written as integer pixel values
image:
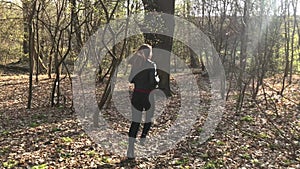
(143, 53)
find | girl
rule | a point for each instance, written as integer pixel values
(144, 76)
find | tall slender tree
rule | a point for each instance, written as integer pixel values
(161, 41)
(29, 9)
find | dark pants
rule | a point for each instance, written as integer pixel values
(141, 102)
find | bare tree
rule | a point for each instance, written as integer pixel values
(29, 9)
(287, 35)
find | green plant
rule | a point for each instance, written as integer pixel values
(210, 165)
(10, 164)
(246, 156)
(220, 143)
(33, 124)
(214, 164)
(182, 161)
(5, 132)
(255, 162)
(66, 155)
(42, 166)
(247, 118)
(106, 159)
(199, 129)
(55, 129)
(4, 150)
(245, 148)
(204, 155)
(67, 139)
(263, 135)
(91, 153)
(124, 143)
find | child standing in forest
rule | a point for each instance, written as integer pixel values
(144, 77)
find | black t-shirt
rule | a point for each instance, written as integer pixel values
(144, 77)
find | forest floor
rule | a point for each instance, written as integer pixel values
(264, 134)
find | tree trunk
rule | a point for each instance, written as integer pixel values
(49, 70)
(294, 4)
(75, 24)
(243, 56)
(31, 65)
(37, 52)
(287, 46)
(25, 29)
(30, 11)
(161, 41)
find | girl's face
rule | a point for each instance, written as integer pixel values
(146, 52)
(142, 54)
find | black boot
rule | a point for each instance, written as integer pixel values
(134, 128)
(130, 150)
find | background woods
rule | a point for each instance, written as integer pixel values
(255, 39)
(257, 42)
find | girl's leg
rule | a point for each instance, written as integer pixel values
(149, 117)
(147, 124)
(134, 128)
(135, 123)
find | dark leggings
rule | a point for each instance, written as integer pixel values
(141, 102)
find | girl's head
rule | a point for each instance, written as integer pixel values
(143, 53)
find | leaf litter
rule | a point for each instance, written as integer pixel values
(263, 135)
